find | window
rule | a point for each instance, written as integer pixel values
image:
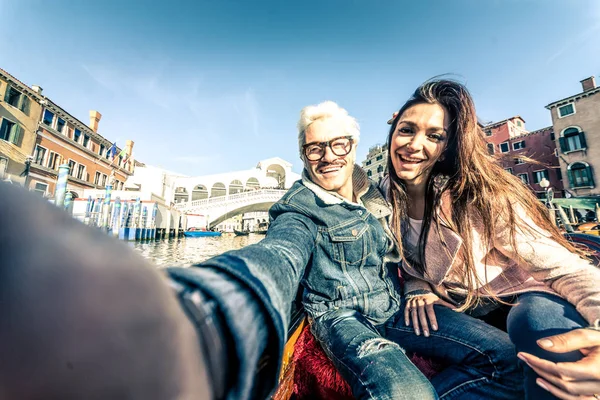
(97, 178)
(490, 147)
(60, 125)
(38, 156)
(103, 181)
(488, 132)
(379, 157)
(102, 148)
(3, 167)
(10, 131)
(509, 170)
(368, 162)
(40, 188)
(552, 136)
(48, 117)
(81, 172)
(572, 140)
(53, 160)
(380, 168)
(12, 96)
(71, 167)
(519, 124)
(519, 161)
(559, 174)
(86, 140)
(504, 147)
(539, 175)
(519, 145)
(17, 99)
(580, 175)
(565, 111)
(524, 178)
(77, 135)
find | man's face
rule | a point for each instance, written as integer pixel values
(332, 172)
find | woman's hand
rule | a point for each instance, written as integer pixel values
(569, 380)
(419, 309)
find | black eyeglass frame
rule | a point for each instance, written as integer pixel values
(324, 145)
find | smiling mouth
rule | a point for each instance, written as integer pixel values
(330, 169)
(410, 160)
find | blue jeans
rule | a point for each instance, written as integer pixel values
(537, 315)
(482, 361)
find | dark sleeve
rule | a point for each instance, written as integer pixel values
(253, 289)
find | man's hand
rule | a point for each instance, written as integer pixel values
(569, 380)
(419, 309)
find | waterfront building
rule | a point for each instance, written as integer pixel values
(513, 144)
(34, 127)
(375, 164)
(20, 113)
(576, 121)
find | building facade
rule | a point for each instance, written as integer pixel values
(37, 136)
(20, 113)
(513, 145)
(576, 121)
(375, 164)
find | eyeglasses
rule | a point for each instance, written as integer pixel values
(340, 146)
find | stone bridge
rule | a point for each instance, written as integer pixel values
(221, 208)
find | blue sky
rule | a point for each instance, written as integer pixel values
(213, 86)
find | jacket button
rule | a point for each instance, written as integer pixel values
(359, 212)
(354, 232)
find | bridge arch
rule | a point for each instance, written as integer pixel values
(252, 184)
(277, 172)
(236, 186)
(218, 190)
(199, 192)
(181, 195)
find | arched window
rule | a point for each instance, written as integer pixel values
(572, 139)
(199, 193)
(580, 175)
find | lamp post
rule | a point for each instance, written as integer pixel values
(545, 184)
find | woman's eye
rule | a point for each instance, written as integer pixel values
(436, 136)
(405, 130)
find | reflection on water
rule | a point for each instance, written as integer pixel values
(186, 251)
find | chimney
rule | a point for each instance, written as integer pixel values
(588, 83)
(95, 117)
(36, 88)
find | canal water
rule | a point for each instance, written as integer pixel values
(186, 251)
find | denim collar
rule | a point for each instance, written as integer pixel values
(360, 186)
(366, 194)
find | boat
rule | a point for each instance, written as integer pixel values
(201, 233)
(262, 228)
(241, 233)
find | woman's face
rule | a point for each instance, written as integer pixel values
(418, 142)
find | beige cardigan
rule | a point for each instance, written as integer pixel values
(547, 266)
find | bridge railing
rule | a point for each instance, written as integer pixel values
(231, 198)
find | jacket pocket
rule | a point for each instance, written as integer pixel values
(350, 242)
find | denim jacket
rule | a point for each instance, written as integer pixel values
(341, 252)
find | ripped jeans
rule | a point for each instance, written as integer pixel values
(481, 360)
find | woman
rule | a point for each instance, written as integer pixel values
(476, 239)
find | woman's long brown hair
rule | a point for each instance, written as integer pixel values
(477, 185)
